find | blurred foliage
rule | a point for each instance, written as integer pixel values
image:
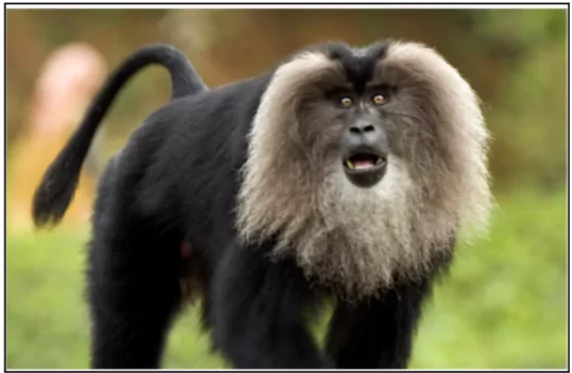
(528, 118)
(504, 304)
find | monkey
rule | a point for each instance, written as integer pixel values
(343, 174)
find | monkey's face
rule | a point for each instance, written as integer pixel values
(364, 110)
(364, 147)
(342, 117)
(347, 128)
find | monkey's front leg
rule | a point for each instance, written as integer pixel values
(377, 333)
(258, 312)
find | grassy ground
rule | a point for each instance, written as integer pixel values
(504, 304)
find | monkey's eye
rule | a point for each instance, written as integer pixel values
(379, 99)
(346, 102)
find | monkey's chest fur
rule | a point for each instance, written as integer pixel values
(356, 241)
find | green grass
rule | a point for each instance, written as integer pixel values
(503, 305)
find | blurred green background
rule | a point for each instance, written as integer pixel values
(504, 305)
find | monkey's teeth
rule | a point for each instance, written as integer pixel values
(350, 164)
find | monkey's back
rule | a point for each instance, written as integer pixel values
(183, 163)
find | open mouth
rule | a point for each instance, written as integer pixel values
(364, 161)
(365, 169)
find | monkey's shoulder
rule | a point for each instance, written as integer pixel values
(196, 142)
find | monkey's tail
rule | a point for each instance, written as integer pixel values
(58, 185)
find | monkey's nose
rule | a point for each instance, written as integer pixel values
(362, 128)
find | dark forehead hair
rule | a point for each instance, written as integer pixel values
(358, 63)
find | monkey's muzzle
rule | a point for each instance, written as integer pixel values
(364, 149)
(365, 168)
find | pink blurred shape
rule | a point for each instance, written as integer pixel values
(68, 80)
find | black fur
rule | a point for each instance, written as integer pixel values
(379, 333)
(176, 181)
(359, 68)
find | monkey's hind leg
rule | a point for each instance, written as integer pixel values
(133, 291)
